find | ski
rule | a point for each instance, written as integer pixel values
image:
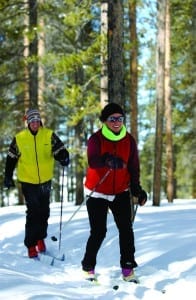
(90, 277)
(113, 283)
(132, 280)
(49, 258)
(60, 257)
(93, 280)
(116, 285)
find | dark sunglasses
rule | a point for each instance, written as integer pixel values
(115, 119)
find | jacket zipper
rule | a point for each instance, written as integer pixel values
(36, 156)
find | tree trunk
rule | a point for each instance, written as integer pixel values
(160, 65)
(116, 84)
(26, 54)
(133, 69)
(193, 96)
(33, 51)
(78, 166)
(104, 55)
(41, 73)
(168, 109)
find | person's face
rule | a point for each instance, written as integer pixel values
(34, 125)
(115, 122)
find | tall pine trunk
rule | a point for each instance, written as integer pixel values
(33, 51)
(160, 66)
(41, 73)
(104, 55)
(168, 110)
(133, 69)
(116, 86)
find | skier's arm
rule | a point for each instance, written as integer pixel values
(59, 151)
(11, 161)
(95, 159)
(134, 169)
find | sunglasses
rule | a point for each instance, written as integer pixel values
(115, 119)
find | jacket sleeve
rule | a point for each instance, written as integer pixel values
(12, 158)
(95, 159)
(134, 166)
(58, 149)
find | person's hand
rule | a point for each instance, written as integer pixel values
(8, 182)
(63, 158)
(64, 162)
(139, 193)
(113, 162)
(142, 197)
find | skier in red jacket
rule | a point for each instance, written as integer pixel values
(112, 152)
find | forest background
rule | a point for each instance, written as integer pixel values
(70, 58)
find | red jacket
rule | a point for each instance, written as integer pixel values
(118, 180)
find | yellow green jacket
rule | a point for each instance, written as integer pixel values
(36, 162)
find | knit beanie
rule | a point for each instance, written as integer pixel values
(110, 109)
(32, 115)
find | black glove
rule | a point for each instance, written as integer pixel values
(64, 162)
(8, 182)
(139, 193)
(113, 162)
(63, 157)
(142, 198)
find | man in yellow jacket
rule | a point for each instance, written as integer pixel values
(33, 151)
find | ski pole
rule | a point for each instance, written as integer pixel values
(134, 213)
(134, 207)
(100, 182)
(61, 214)
(79, 207)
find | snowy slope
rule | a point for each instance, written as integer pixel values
(165, 252)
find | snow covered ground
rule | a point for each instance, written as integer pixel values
(165, 252)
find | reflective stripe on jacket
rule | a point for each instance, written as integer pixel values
(36, 162)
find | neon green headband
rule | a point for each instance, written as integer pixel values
(111, 136)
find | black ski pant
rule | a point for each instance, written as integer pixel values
(97, 211)
(38, 211)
